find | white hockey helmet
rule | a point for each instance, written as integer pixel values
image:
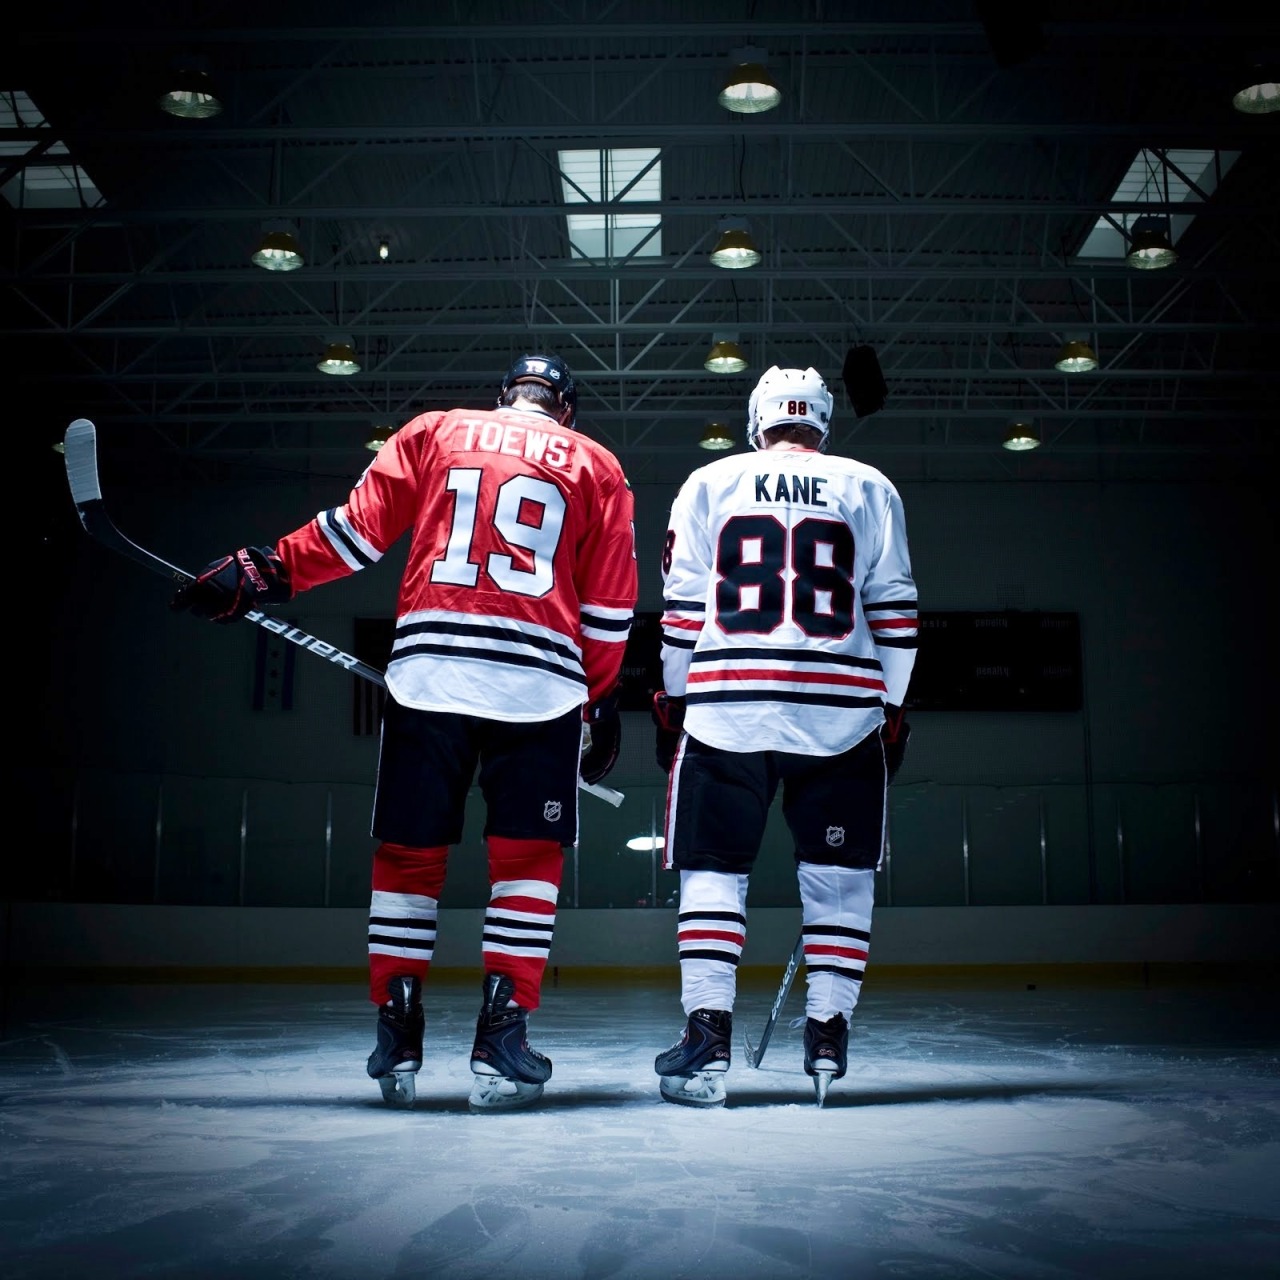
(789, 395)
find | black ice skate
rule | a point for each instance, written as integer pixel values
(507, 1072)
(825, 1051)
(398, 1054)
(692, 1071)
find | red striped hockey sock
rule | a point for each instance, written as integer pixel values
(524, 885)
(403, 911)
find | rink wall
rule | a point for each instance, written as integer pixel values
(292, 943)
(168, 770)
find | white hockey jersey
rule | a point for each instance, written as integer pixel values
(789, 609)
(520, 581)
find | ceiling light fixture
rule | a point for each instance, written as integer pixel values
(380, 435)
(339, 358)
(1021, 436)
(1261, 95)
(748, 88)
(190, 95)
(278, 250)
(1076, 357)
(716, 437)
(735, 249)
(1149, 245)
(725, 356)
(384, 249)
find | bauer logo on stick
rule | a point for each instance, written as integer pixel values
(321, 648)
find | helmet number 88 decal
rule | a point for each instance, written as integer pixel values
(798, 408)
(755, 593)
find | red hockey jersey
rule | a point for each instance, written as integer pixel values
(520, 582)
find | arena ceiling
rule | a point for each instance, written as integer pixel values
(951, 185)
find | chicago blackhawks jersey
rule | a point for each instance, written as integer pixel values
(789, 610)
(520, 579)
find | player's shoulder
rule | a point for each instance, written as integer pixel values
(603, 460)
(594, 448)
(432, 419)
(863, 472)
(720, 470)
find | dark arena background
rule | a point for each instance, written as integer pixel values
(1034, 257)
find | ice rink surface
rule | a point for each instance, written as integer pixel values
(1104, 1129)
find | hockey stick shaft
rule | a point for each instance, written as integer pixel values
(756, 1053)
(80, 453)
(81, 456)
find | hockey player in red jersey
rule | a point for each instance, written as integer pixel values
(514, 609)
(789, 636)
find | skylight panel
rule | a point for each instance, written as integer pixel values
(1153, 179)
(51, 181)
(589, 177)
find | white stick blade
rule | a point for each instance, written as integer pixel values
(607, 794)
(80, 453)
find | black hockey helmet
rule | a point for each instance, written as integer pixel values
(552, 372)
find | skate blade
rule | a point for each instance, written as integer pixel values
(501, 1093)
(821, 1083)
(705, 1089)
(398, 1089)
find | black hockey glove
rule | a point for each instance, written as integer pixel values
(894, 734)
(668, 719)
(228, 588)
(602, 738)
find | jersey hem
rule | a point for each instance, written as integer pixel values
(486, 713)
(806, 748)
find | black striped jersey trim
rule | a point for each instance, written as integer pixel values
(894, 606)
(784, 695)
(598, 623)
(483, 631)
(484, 654)
(337, 532)
(809, 657)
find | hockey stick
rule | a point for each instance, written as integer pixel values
(756, 1052)
(80, 453)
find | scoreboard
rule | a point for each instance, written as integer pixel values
(1011, 660)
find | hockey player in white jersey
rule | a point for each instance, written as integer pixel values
(789, 631)
(512, 619)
